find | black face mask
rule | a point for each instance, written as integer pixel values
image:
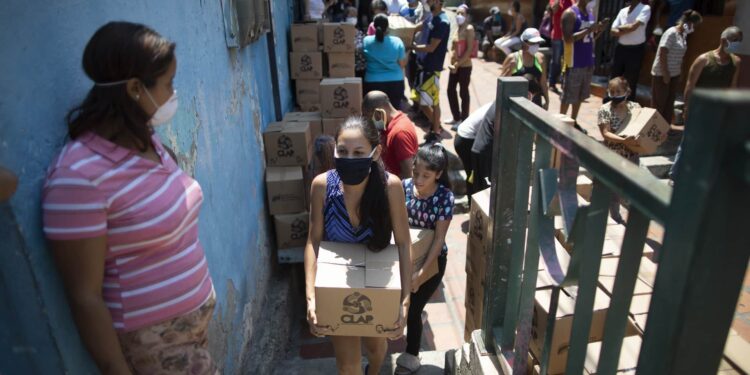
(353, 171)
(616, 100)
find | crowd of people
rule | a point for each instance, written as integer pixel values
(142, 295)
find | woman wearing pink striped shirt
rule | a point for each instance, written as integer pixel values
(121, 217)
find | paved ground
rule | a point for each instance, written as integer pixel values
(445, 313)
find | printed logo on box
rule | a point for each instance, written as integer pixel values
(340, 97)
(478, 230)
(339, 36)
(306, 64)
(286, 147)
(654, 134)
(356, 306)
(299, 229)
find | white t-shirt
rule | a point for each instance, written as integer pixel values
(468, 128)
(641, 13)
(316, 8)
(394, 6)
(676, 46)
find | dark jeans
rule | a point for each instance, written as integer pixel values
(394, 90)
(462, 77)
(463, 150)
(627, 63)
(555, 65)
(662, 96)
(481, 165)
(418, 302)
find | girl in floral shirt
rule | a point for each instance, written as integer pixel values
(429, 204)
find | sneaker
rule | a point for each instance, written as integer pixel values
(451, 122)
(407, 364)
(455, 127)
(554, 89)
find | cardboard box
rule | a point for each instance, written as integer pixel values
(307, 91)
(291, 230)
(305, 37)
(631, 347)
(474, 296)
(306, 65)
(340, 64)
(401, 28)
(736, 351)
(288, 144)
(421, 241)
(341, 97)
(285, 190)
(357, 291)
(469, 327)
(563, 325)
(331, 125)
(480, 232)
(648, 127)
(312, 118)
(339, 37)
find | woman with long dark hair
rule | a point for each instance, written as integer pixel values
(386, 59)
(357, 202)
(122, 218)
(429, 205)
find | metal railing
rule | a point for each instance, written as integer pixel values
(702, 262)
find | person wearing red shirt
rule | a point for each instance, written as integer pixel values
(557, 7)
(399, 136)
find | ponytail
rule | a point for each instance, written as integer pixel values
(381, 27)
(375, 206)
(435, 158)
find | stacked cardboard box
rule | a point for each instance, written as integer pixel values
(478, 245)
(323, 67)
(288, 148)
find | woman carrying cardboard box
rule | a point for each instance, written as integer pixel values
(357, 202)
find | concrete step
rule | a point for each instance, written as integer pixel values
(658, 165)
(433, 363)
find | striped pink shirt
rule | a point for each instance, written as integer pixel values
(155, 267)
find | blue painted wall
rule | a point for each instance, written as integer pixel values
(225, 102)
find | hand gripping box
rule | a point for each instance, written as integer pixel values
(339, 37)
(357, 291)
(288, 144)
(648, 128)
(340, 97)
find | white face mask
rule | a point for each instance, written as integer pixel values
(351, 20)
(165, 112)
(688, 29)
(533, 49)
(510, 12)
(460, 19)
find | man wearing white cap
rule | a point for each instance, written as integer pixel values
(528, 62)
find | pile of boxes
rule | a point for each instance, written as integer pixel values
(288, 147)
(322, 67)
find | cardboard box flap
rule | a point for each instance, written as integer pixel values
(387, 255)
(342, 254)
(566, 303)
(278, 174)
(631, 347)
(339, 276)
(274, 127)
(382, 275)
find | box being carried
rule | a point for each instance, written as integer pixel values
(306, 65)
(339, 37)
(357, 291)
(421, 242)
(341, 97)
(287, 144)
(648, 128)
(305, 37)
(401, 28)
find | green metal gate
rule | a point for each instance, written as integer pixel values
(702, 262)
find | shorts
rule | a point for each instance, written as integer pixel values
(176, 346)
(577, 85)
(427, 89)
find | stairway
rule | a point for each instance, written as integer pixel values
(432, 364)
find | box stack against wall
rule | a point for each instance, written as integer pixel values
(288, 147)
(323, 69)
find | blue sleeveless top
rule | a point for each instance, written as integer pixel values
(337, 227)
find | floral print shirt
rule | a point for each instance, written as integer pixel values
(616, 124)
(425, 213)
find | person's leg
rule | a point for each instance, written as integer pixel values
(564, 108)
(463, 150)
(348, 353)
(437, 127)
(555, 63)
(671, 93)
(659, 95)
(464, 78)
(453, 79)
(418, 302)
(618, 62)
(576, 108)
(505, 45)
(634, 60)
(375, 350)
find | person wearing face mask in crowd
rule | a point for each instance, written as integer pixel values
(429, 204)
(358, 202)
(611, 119)
(518, 24)
(719, 68)
(399, 135)
(386, 59)
(409, 11)
(378, 7)
(121, 216)
(667, 68)
(579, 34)
(460, 68)
(494, 27)
(528, 61)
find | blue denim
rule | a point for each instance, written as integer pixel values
(556, 63)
